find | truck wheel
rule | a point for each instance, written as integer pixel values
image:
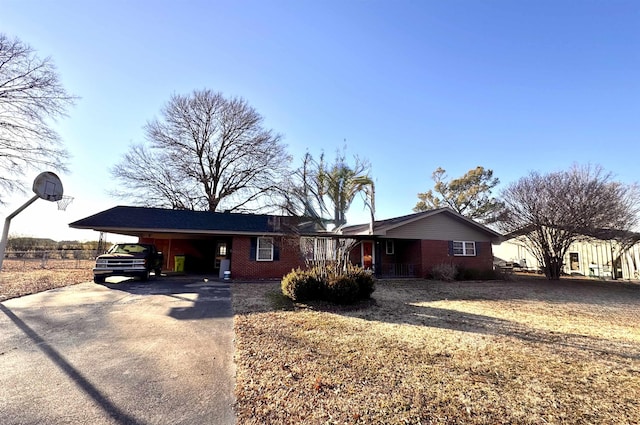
(145, 276)
(98, 279)
(157, 272)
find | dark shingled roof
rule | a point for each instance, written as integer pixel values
(141, 219)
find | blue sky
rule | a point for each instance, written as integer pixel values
(513, 86)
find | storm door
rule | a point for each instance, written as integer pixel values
(367, 254)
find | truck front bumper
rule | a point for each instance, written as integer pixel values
(120, 272)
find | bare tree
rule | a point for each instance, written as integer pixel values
(550, 212)
(141, 166)
(31, 95)
(207, 152)
(469, 195)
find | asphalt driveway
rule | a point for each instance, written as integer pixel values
(157, 352)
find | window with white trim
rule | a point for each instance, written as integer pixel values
(264, 251)
(389, 247)
(464, 248)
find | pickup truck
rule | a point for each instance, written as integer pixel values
(129, 260)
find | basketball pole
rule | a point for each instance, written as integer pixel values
(7, 223)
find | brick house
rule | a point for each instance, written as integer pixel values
(254, 246)
(247, 245)
(413, 244)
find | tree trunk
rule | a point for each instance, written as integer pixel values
(552, 268)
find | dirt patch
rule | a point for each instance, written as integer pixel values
(528, 351)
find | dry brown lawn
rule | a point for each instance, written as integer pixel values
(19, 277)
(425, 352)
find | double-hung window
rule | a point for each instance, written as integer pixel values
(264, 251)
(464, 248)
(389, 248)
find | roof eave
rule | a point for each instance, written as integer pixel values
(136, 231)
(382, 229)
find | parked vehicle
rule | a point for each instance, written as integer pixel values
(129, 260)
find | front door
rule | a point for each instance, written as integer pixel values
(367, 254)
(222, 251)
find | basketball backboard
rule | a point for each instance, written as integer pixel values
(48, 186)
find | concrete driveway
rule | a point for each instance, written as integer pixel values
(157, 352)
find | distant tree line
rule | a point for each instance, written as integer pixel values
(22, 243)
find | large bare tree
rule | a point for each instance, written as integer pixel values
(469, 195)
(31, 95)
(206, 152)
(551, 211)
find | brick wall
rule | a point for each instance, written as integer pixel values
(422, 254)
(244, 266)
(406, 256)
(437, 252)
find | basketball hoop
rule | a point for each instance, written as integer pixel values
(64, 202)
(47, 186)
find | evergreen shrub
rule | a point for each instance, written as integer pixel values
(364, 279)
(301, 285)
(341, 289)
(328, 284)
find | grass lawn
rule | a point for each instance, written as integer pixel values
(424, 352)
(20, 277)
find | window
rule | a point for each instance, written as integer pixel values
(389, 248)
(265, 249)
(464, 248)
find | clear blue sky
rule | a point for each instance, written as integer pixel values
(513, 86)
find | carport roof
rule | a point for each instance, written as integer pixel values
(139, 220)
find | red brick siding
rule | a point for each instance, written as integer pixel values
(437, 252)
(243, 267)
(406, 253)
(412, 255)
(423, 255)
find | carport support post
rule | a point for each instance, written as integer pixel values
(7, 223)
